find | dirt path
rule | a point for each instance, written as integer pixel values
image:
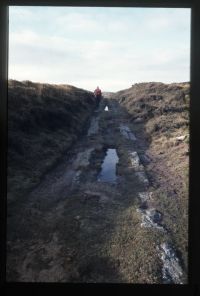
(74, 228)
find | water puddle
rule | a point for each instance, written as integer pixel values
(108, 168)
(106, 108)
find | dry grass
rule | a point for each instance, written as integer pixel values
(164, 109)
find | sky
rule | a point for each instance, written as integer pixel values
(86, 47)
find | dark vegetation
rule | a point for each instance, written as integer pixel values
(44, 121)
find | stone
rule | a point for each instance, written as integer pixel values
(138, 120)
(145, 196)
(150, 217)
(76, 177)
(171, 271)
(154, 215)
(134, 159)
(145, 159)
(181, 138)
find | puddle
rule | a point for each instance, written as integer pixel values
(106, 108)
(108, 168)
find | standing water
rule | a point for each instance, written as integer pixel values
(108, 169)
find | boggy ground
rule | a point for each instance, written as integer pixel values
(73, 228)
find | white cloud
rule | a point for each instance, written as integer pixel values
(77, 22)
(86, 51)
(158, 23)
(21, 12)
(25, 37)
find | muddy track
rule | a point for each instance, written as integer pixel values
(75, 228)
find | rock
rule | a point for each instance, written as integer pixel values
(145, 196)
(134, 158)
(181, 138)
(76, 177)
(171, 270)
(77, 217)
(145, 159)
(156, 216)
(138, 120)
(151, 218)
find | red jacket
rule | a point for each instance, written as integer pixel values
(97, 92)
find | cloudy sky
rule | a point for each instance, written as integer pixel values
(109, 47)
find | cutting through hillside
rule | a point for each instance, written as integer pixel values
(109, 210)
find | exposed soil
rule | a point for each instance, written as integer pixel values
(74, 228)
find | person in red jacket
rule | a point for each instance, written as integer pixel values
(97, 93)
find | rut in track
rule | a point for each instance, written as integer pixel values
(74, 227)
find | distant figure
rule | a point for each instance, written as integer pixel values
(98, 94)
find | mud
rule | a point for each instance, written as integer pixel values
(126, 132)
(73, 228)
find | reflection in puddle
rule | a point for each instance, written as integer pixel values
(106, 108)
(108, 169)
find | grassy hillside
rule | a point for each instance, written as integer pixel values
(43, 122)
(158, 105)
(159, 114)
